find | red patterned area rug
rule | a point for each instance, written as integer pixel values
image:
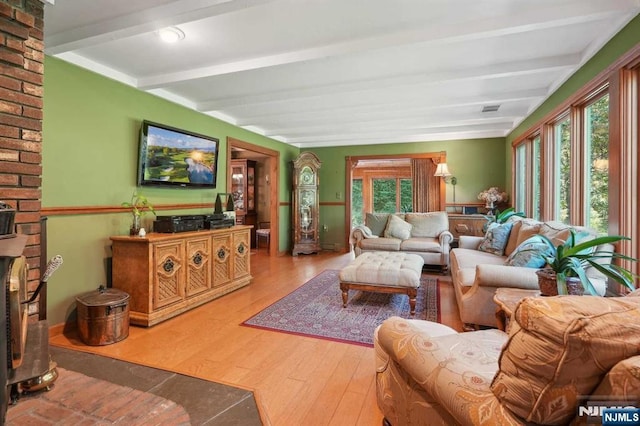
(315, 310)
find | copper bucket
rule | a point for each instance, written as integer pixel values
(103, 316)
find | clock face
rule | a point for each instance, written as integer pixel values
(306, 176)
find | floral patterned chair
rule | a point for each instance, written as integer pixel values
(558, 353)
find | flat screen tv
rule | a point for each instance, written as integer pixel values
(176, 158)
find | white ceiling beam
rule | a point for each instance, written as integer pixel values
(536, 19)
(401, 133)
(395, 117)
(411, 126)
(419, 103)
(423, 137)
(140, 22)
(400, 119)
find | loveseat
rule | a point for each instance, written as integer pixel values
(559, 354)
(480, 265)
(424, 234)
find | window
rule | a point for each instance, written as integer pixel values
(536, 182)
(356, 202)
(521, 178)
(562, 184)
(406, 195)
(527, 177)
(392, 195)
(596, 122)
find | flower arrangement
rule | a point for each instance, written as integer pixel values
(493, 196)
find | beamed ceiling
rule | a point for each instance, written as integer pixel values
(315, 73)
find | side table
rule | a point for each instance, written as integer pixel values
(506, 300)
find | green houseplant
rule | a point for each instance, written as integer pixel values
(566, 264)
(138, 205)
(501, 217)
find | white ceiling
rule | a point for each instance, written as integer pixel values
(342, 72)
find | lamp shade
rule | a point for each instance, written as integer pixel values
(442, 170)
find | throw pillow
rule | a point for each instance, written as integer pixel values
(377, 222)
(496, 238)
(530, 253)
(562, 347)
(397, 228)
(427, 225)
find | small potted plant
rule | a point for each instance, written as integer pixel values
(566, 263)
(139, 205)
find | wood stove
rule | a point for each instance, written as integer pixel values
(24, 347)
(11, 248)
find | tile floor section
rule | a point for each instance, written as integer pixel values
(130, 394)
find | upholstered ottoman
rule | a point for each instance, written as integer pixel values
(385, 272)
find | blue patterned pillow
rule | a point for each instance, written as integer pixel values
(496, 238)
(529, 253)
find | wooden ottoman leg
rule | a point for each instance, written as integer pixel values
(412, 293)
(345, 293)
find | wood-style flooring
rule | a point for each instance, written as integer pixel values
(296, 380)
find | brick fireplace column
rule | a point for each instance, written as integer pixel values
(21, 80)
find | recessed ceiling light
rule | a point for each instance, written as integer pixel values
(171, 34)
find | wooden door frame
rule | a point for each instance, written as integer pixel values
(274, 184)
(352, 161)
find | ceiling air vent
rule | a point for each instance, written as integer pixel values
(490, 108)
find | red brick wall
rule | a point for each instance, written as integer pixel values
(21, 79)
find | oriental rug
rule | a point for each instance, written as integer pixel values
(315, 310)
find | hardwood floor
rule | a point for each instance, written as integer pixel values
(297, 380)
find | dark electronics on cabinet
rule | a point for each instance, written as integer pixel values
(218, 221)
(173, 224)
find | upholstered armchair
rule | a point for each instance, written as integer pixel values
(558, 353)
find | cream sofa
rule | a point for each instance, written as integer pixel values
(477, 274)
(424, 234)
(559, 352)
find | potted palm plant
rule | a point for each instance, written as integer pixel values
(139, 205)
(566, 263)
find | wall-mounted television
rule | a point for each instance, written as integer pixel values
(176, 158)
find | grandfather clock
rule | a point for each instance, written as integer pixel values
(306, 203)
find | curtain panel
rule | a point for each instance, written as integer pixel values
(426, 186)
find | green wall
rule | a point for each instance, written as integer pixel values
(477, 163)
(90, 149)
(623, 41)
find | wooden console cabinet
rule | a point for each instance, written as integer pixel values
(467, 224)
(168, 274)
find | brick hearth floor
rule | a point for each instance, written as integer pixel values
(109, 391)
(82, 400)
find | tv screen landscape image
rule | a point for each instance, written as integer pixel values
(174, 157)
